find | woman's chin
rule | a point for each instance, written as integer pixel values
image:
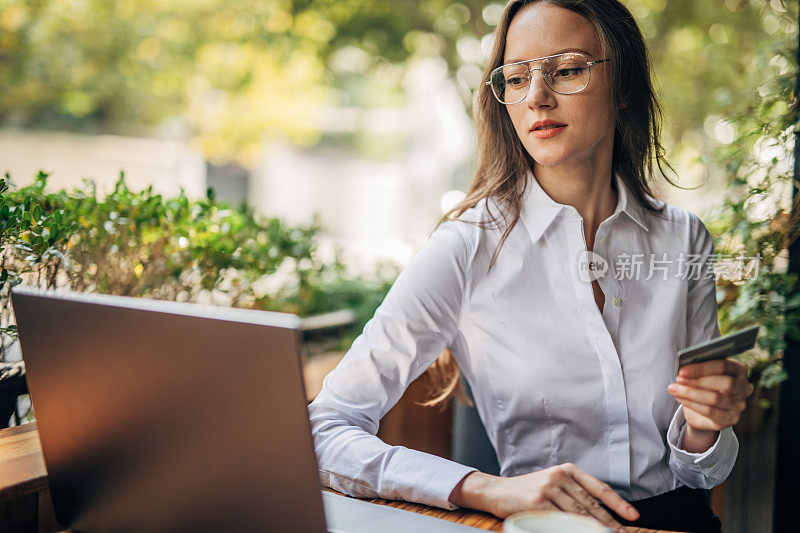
(548, 159)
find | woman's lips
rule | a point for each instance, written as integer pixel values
(547, 132)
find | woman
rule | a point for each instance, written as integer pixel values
(563, 290)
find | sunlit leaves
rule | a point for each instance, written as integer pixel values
(138, 243)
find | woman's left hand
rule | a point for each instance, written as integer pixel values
(712, 393)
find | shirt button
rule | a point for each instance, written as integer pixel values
(617, 301)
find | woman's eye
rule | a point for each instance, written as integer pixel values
(516, 81)
(568, 72)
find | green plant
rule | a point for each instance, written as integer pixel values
(758, 220)
(326, 287)
(32, 243)
(138, 243)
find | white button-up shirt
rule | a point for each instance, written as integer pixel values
(554, 379)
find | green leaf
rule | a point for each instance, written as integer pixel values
(772, 375)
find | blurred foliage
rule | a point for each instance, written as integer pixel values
(710, 57)
(231, 73)
(327, 288)
(32, 243)
(142, 244)
(760, 214)
(236, 72)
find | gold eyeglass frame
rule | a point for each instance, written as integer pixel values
(531, 69)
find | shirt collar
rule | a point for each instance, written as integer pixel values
(539, 210)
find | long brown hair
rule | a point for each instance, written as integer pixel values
(503, 162)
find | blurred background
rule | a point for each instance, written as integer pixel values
(293, 155)
(356, 110)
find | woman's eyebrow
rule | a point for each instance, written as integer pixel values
(581, 50)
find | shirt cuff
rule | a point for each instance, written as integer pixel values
(712, 461)
(423, 487)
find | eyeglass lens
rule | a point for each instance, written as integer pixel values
(565, 73)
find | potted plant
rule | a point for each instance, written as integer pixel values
(32, 241)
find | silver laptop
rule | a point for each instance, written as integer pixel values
(163, 416)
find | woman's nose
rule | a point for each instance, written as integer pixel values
(539, 93)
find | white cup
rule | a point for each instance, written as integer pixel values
(551, 522)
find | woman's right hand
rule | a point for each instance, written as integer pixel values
(561, 488)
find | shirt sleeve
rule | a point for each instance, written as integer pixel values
(710, 468)
(418, 319)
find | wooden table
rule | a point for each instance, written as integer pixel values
(469, 517)
(25, 496)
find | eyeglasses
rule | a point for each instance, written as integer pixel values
(566, 73)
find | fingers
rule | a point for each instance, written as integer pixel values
(547, 505)
(604, 493)
(721, 418)
(576, 500)
(729, 367)
(711, 398)
(718, 398)
(565, 502)
(565, 487)
(722, 383)
(701, 422)
(715, 391)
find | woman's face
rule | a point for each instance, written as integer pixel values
(540, 30)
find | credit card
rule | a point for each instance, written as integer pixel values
(720, 348)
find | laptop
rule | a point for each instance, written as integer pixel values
(165, 416)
